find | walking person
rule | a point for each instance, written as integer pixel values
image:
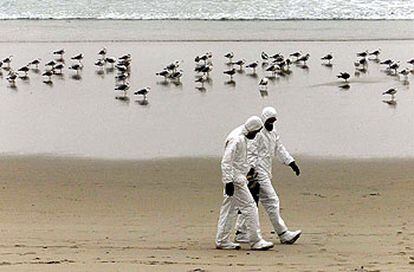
(237, 196)
(260, 153)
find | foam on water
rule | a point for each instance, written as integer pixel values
(207, 9)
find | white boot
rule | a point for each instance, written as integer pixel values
(262, 245)
(241, 238)
(289, 237)
(228, 245)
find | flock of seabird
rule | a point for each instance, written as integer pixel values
(273, 65)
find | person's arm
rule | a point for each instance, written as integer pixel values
(227, 167)
(284, 156)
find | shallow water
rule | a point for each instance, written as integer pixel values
(82, 117)
(207, 9)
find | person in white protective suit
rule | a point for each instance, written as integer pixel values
(260, 152)
(237, 196)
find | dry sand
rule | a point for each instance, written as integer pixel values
(62, 214)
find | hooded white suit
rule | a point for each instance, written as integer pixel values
(234, 167)
(260, 153)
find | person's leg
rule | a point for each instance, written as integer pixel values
(226, 220)
(248, 209)
(270, 202)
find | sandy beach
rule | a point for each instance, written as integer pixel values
(89, 183)
(62, 214)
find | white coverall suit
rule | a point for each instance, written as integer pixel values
(234, 167)
(260, 152)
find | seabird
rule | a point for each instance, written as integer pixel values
(76, 67)
(59, 67)
(344, 75)
(375, 53)
(78, 57)
(11, 78)
(405, 72)
(229, 56)
(204, 58)
(122, 87)
(362, 54)
(303, 59)
(59, 52)
(35, 63)
(7, 61)
(253, 66)
(173, 66)
(143, 92)
(24, 69)
(121, 68)
(240, 63)
(100, 63)
(176, 75)
(387, 62)
(394, 67)
(230, 72)
(263, 83)
(411, 61)
(125, 57)
(328, 58)
(51, 63)
(110, 60)
(264, 56)
(391, 92)
(122, 77)
(125, 63)
(296, 54)
(48, 74)
(102, 53)
(163, 73)
(201, 80)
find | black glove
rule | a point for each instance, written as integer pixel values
(251, 175)
(254, 188)
(229, 189)
(295, 168)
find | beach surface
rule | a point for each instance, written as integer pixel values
(90, 183)
(60, 214)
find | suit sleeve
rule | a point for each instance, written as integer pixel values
(227, 165)
(282, 153)
(254, 152)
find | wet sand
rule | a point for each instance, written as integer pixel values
(62, 214)
(81, 117)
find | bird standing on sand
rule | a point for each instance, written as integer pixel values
(7, 61)
(229, 56)
(76, 67)
(328, 58)
(387, 62)
(391, 92)
(11, 78)
(102, 53)
(163, 73)
(264, 56)
(58, 68)
(253, 66)
(122, 88)
(230, 73)
(48, 74)
(375, 53)
(263, 83)
(296, 55)
(100, 63)
(24, 69)
(110, 60)
(176, 75)
(303, 59)
(144, 92)
(78, 57)
(34, 63)
(344, 75)
(362, 54)
(201, 80)
(59, 52)
(240, 63)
